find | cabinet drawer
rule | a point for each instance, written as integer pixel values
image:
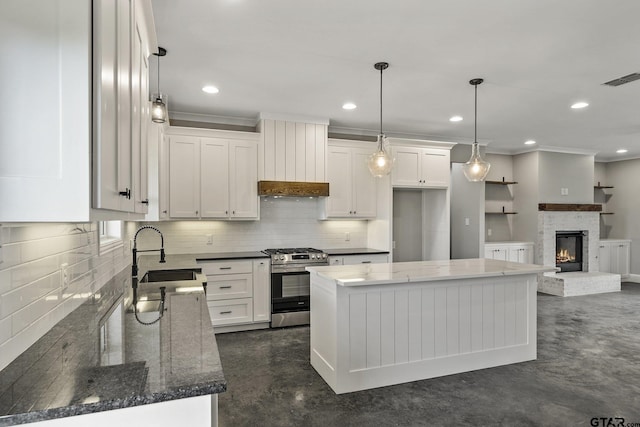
(366, 259)
(229, 286)
(231, 312)
(230, 267)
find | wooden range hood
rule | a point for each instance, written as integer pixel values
(293, 189)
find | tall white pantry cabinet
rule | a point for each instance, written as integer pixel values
(75, 109)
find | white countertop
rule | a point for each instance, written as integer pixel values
(423, 271)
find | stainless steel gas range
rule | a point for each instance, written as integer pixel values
(290, 284)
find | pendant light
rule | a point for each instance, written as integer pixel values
(476, 169)
(380, 162)
(159, 100)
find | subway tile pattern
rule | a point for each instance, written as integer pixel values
(284, 222)
(32, 296)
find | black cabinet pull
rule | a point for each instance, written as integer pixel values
(126, 193)
(145, 202)
(226, 312)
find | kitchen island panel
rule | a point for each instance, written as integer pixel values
(390, 334)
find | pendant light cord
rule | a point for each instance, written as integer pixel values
(158, 74)
(475, 117)
(381, 100)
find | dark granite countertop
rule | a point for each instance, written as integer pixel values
(354, 251)
(73, 369)
(229, 255)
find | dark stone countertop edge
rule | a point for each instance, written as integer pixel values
(229, 255)
(128, 402)
(354, 251)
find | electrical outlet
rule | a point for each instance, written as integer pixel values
(489, 232)
(64, 275)
(466, 221)
(393, 244)
(347, 236)
(209, 239)
(564, 191)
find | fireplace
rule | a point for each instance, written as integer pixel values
(569, 250)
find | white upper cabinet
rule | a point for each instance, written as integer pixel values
(53, 122)
(212, 176)
(121, 106)
(352, 188)
(292, 151)
(421, 167)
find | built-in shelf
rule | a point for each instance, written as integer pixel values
(600, 187)
(503, 182)
(501, 213)
(606, 213)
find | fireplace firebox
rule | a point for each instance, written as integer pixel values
(569, 250)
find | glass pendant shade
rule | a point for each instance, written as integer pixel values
(476, 169)
(159, 108)
(380, 162)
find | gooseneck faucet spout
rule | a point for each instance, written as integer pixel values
(134, 251)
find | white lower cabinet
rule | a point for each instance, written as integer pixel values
(510, 251)
(614, 256)
(359, 259)
(238, 292)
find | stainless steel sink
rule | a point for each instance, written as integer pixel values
(167, 276)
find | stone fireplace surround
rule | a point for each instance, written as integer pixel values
(585, 218)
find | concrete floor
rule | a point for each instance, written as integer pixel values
(588, 366)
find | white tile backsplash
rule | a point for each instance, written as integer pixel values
(284, 222)
(31, 296)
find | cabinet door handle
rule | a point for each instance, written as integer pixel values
(225, 287)
(226, 312)
(226, 212)
(233, 212)
(145, 202)
(225, 268)
(126, 193)
(366, 262)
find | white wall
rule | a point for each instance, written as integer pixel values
(467, 202)
(525, 172)
(284, 222)
(32, 299)
(571, 171)
(499, 197)
(624, 202)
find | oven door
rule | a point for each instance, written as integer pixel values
(290, 291)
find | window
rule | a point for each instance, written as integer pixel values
(109, 235)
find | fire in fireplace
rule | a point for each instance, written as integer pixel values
(569, 250)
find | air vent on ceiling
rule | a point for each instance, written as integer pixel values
(623, 80)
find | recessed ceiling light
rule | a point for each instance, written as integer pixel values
(210, 89)
(456, 119)
(579, 105)
(529, 142)
(349, 106)
(621, 151)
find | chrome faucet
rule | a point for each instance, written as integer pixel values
(134, 266)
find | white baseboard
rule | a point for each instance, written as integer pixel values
(635, 278)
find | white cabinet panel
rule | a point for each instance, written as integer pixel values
(184, 177)
(615, 256)
(510, 251)
(229, 286)
(230, 312)
(420, 167)
(293, 151)
(359, 259)
(238, 292)
(261, 291)
(352, 188)
(212, 177)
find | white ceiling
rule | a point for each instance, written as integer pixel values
(306, 58)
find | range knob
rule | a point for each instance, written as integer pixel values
(282, 257)
(313, 256)
(324, 256)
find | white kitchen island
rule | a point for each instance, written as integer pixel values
(374, 325)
